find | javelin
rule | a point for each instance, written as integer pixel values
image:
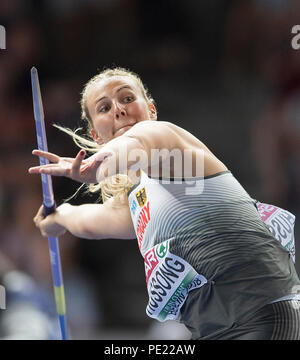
(49, 203)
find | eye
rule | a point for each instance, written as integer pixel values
(104, 109)
(128, 99)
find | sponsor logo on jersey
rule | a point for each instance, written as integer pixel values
(169, 279)
(133, 207)
(266, 210)
(151, 261)
(142, 223)
(161, 249)
(141, 197)
(281, 223)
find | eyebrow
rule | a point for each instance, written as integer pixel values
(122, 87)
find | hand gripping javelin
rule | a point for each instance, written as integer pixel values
(49, 203)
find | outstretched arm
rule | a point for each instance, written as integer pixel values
(137, 143)
(89, 221)
(141, 138)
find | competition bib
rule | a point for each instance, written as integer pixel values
(169, 279)
(281, 224)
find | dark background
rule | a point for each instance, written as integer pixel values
(223, 70)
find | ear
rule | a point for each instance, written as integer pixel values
(96, 137)
(152, 112)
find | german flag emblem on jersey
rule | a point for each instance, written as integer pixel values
(141, 197)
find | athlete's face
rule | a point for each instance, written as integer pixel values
(115, 105)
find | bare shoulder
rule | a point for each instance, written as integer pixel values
(165, 133)
(155, 124)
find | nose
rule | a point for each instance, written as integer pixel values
(119, 111)
(119, 114)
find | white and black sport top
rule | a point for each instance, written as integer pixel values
(209, 257)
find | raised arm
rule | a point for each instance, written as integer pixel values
(142, 138)
(147, 136)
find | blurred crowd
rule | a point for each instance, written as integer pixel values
(224, 70)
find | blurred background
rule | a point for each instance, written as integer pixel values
(224, 70)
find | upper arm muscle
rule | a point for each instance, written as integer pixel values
(104, 221)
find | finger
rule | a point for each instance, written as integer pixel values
(34, 170)
(54, 171)
(67, 159)
(39, 216)
(50, 169)
(46, 166)
(43, 233)
(47, 155)
(37, 169)
(77, 162)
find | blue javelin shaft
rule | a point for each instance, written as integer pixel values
(49, 203)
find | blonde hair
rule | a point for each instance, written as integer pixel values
(118, 185)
